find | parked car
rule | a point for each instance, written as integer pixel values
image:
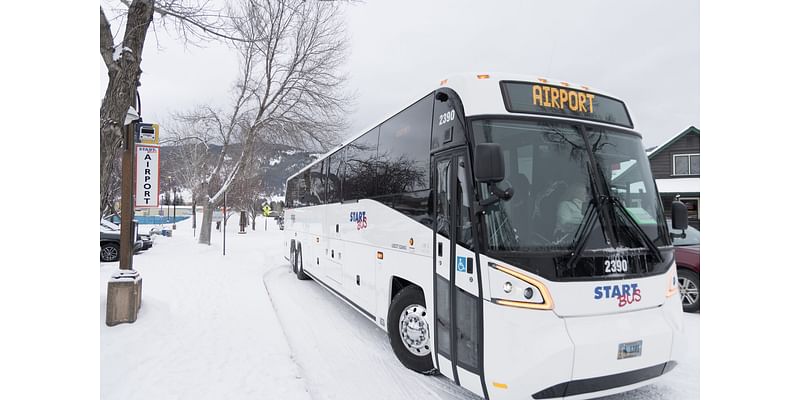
(109, 243)
(146, 238)
(687, 256)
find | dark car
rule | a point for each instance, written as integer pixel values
(146, 238)
(109, 243)
(687, 256)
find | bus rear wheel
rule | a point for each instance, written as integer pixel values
(409, 332)
(293, 258)
(298, 265)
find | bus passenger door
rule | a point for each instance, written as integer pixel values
(456, 287)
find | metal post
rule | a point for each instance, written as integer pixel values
(126, 223)
(124, 295)
(174, 196)
(224, 218)
(194, 217)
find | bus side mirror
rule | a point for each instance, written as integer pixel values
(489, 165)
(680, 216)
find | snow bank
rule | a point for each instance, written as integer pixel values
(206, 329)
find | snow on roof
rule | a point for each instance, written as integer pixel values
(678, 185)
(656, 149)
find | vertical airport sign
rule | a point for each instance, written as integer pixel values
(147, 176)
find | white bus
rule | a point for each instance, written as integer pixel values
(506, 232)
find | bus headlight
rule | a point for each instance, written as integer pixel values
(515, 289)
(672, 281)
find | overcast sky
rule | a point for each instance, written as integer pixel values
(645, 53)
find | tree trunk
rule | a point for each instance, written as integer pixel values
(205, 225)
(123, 78)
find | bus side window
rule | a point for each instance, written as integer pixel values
(464, 231)
(443, 198)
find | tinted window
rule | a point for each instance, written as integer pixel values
(303, 189)
(415, 205)
(467, 329)
(291, 192)
(404, 150)
(443, 198)
(359, 181)
(318, 183)
(443, 316)
(463, 218)
(335, 176)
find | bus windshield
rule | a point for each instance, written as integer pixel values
(549, 167)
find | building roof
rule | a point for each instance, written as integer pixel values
(666, 144)
(678, 185)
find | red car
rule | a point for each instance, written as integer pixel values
(687, 256)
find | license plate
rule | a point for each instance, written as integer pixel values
(628, 350)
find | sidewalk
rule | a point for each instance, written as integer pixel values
(206, 329)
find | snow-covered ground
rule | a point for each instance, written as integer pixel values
(241, 326)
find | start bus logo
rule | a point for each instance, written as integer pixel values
(625, 294)
(360, 218)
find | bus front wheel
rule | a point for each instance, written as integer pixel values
(409, 332)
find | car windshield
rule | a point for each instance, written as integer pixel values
(692, 237)
(549, 167)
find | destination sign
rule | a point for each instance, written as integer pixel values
(537, 98)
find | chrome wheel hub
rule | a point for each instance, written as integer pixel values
(414, 330)
(690, 293)
(109, 253)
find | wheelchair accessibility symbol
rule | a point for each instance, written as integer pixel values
(461, 264)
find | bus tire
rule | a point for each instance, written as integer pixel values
(298, 264)
(293, 258)
(409, 332)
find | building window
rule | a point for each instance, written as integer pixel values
(686, 164)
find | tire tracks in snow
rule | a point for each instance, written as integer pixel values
(340, 354)
(292, 353)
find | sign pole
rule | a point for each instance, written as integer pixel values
(126, 224)
(124, 295)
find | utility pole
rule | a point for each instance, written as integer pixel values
(125, 287)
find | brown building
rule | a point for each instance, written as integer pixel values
(676, 168)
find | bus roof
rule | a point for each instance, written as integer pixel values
(480, 95)
(480, 92)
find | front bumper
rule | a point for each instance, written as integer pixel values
(621, 382)
(537, 354)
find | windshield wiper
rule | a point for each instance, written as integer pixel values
(637, 230)
(588, 222)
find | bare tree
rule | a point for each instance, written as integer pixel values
(289, 90)
(190, 19)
